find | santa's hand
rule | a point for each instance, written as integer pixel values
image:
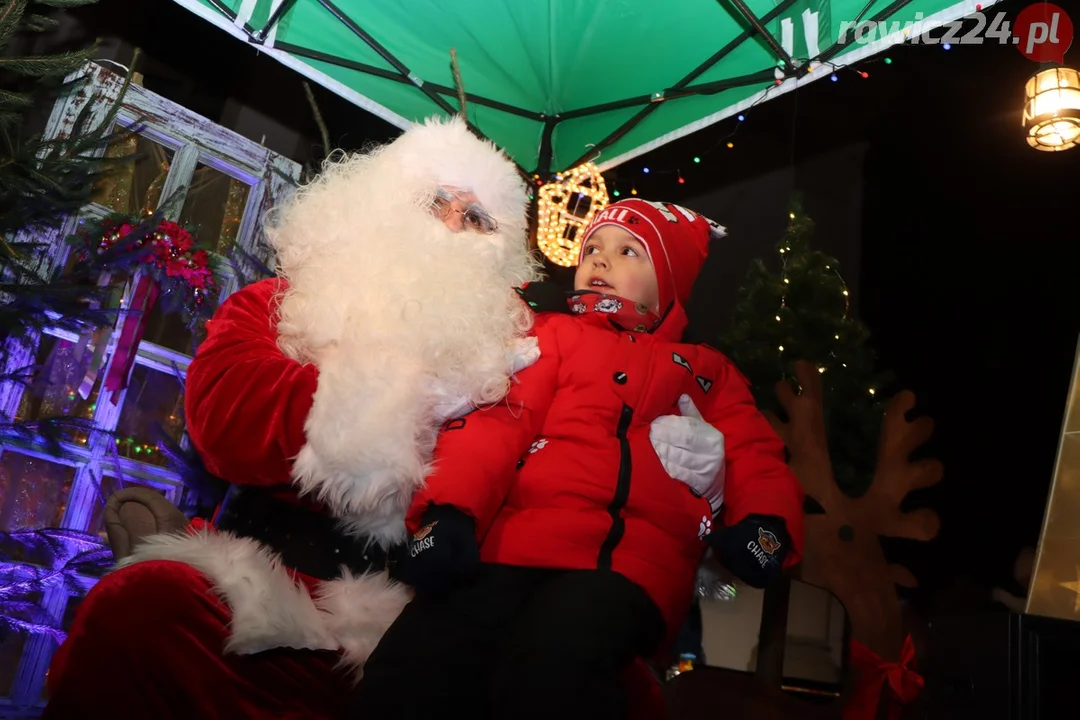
(442, 552)
(524, 353)
(691, 451)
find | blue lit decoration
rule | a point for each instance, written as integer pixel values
(35, 561)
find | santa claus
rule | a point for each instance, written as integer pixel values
(318, 395)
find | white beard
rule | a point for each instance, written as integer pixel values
(398, 313)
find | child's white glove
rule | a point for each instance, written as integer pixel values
(524, 353)
(691, 451)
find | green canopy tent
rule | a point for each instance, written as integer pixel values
(559, 82)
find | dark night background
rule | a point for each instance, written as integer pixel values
(959, 242)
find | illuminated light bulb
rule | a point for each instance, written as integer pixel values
(1051, 117)
(833, 77)
(616, 193)
(865, 74)
(791, 215)
(681, 180)
(558, 225)
(731, 145)
(947, 46)
(845, 293)
(697, 160)
(871, 391)
(821, 369)
(645, 170)
(888, 61)
(741, 117)
(781, 348)
(777, 318)
(633, 191)
(786, 281)
(836, 337)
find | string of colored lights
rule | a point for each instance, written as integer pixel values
(727, 141)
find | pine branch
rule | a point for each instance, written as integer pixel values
(10, 16)
(65, 4)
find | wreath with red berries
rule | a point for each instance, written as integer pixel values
(168, 251)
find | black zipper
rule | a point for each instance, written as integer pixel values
(622, 492)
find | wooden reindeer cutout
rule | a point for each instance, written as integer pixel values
(843, 552)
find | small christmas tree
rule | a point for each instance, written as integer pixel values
(803, 312)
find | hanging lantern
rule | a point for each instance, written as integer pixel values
(564, 208)
(1052, 109)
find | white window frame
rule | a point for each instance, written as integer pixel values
(194, 141)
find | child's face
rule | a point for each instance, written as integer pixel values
(616, 262)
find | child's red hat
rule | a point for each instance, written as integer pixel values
(676, 239)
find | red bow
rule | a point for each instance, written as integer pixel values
(898, 679)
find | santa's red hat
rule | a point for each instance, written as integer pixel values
(676, 239)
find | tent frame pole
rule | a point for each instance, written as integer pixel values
(397, 77)
(389, 57)
(683, 84)
(759, 26)
(830, 52)
(259, 37)
(543, 160)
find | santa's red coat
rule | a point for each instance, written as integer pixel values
(168, 620)
(206, 624)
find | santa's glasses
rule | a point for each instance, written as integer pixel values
(473, 217)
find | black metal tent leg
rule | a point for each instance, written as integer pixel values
(759, 26)
(397, 77)
(402, 69)
(279, 12)
(223, 9)
(681, 85)
(387, 56)
(543, 160)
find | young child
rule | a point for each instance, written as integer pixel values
(552, 545)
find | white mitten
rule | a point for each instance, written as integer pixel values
(691, 451)
(524, 353)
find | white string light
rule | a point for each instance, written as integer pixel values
(559, 225)
(784, 250)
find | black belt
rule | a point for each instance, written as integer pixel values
(307, 541)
